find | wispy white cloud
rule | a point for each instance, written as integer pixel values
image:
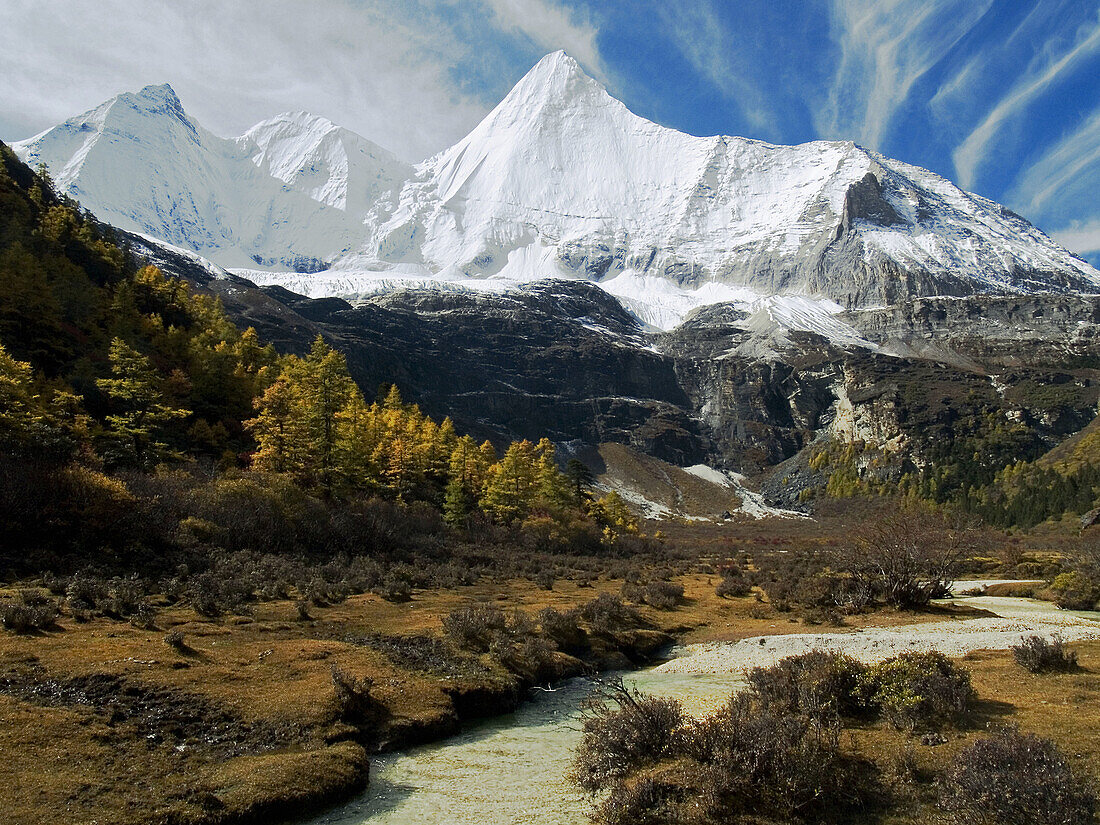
(703, 39)
(1080, 237)
(389, 69)
(1061, 168)
(1047, 67)
(551, 26)
(885, 47)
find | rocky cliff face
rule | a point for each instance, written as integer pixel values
(725, 388)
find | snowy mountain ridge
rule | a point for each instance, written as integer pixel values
(560, 180)
(291, 193)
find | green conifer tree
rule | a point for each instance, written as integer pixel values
(580, 479)
(279, 430)
(324, 387)
(136, 431)
(466, 473)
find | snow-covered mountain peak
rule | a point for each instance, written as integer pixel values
(132, 126)
(559, 180)
(562, 180)
(556, 80)
(330, 164)
(155, 96)
(129, 113)
(140, 162)
(555, 98)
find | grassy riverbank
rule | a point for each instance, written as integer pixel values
(241, 720)
(1064, 707)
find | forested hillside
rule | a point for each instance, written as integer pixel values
(137, 423)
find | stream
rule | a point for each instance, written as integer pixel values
(512, 769)
(508, 769)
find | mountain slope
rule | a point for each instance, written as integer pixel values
(278, 196)
(562, 179)
(330, 164)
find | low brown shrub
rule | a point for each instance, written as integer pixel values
(1012, 778)
(1040, 655)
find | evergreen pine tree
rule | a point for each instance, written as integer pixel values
(512, 483)
(467, 473)
(279, 430)
(580, 479)
(324, 387)
(136, 431)
(553, 488)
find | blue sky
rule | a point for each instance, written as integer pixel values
(1001, 96)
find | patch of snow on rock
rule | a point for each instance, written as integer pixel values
(752, 503)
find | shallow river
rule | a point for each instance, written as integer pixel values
(511, 769)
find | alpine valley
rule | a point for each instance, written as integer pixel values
(669, 308)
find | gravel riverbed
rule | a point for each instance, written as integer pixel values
(1015, 619)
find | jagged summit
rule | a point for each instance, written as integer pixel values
(331, 164)
(161, 93)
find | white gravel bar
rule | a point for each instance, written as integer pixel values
(1015, 619)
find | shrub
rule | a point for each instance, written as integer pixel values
(818, 684)
(144, 616)
(395, 589)
(918, 690)
(123, 597)
(645, 801)
(562, 628)
(175, 639)
(663, 595)
(527, 655)
(623, 730)
(33, 597)
(829, 591)
(1012, 778)
(55, 584)
(660, 594)
(607, 615)
(23, 618)
(1075, 591)
(316, 591)
(353, 696)
(733, 584)
(85, 592)
(823, 615)
(474, 628)
(1040, 655)
(633, 591)
(205, 595)
(779, 766)
(780, 594)
(302, 607)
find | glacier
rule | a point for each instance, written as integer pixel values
(559, 181)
